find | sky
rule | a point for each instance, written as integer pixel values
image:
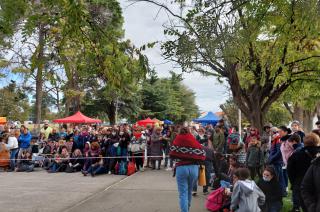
(143, 23)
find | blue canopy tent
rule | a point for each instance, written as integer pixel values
(210, 118)
(168, 122)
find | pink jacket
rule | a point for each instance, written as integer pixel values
(286, 151)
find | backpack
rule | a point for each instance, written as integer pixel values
(123, 168)
(233, 141)
(216, 200)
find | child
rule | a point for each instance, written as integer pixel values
(246, 195)
(272, 189)
(254, 159)
(26, 164)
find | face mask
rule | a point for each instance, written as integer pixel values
(266, 179)
(143, 137)
(121, 133)
(113, 133)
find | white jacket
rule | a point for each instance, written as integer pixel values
(12, 143)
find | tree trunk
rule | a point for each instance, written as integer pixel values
(39, 77)
(67, 105)
(256, 118)
(297, 113)
(308, 120)
(111, 112)
(318, 111)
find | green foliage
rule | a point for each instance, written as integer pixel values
(14, 103)
(260, 48)
(232, 113)
(168, 99)
(278, 115)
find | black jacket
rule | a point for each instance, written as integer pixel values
(271, 189)
(310, 187)
(298, 164)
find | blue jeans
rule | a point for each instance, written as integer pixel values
(186, 176)
(13, 154)
(97, 170)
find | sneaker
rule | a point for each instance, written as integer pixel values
(194, 193)
(84, 173)
(109, 172)
(141, 169)
(168, 169)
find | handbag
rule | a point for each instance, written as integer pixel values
(202, 176)
(131, 169)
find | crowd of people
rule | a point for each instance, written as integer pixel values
(250, 172)
(254, 168)
(91, 150)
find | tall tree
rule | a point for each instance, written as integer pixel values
(14, 103)
(259, 47)
(168, 98)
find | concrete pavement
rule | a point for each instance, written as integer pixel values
(42, 192)
(150, 191)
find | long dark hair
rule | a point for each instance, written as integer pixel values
(272, 172)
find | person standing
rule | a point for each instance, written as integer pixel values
(286, 151)
(266, 142)
(275, 157)
(296, 129)
(298, 164)
(137, 147)
(46, 130)
(270, 186)
(254, 158)
(188, 153)
(156, 148)
(13, 147)
(24, 141)
(310, 187)
(218, 140)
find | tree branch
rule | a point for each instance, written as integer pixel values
(302, 59)
(287, 106)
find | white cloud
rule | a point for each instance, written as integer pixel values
(144, 24)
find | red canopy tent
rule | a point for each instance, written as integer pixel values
(78, 117)
(146, 122)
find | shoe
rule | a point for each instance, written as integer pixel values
(194, 193)
(141, 169)
(205, 193)
(109, 172)
(84, 173)
(93, 174)
(168, 169)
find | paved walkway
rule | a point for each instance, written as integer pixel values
(150, 191)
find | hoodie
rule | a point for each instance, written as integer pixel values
(246, 196)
